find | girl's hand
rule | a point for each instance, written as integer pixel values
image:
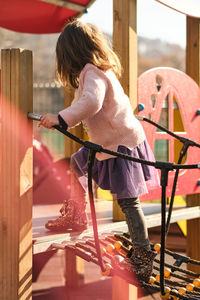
(48, 121)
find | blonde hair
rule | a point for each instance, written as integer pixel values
(79, 44)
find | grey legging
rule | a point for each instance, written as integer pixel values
(131, 207)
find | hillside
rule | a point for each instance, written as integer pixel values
(156, 53)
(152, 53)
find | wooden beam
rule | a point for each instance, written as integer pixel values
(43, 243)
(16, 175)
(193, 70)
(193, 49)
(125, 45)
(193, 232)
(74, 270)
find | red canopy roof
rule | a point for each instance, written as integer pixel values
(39, 16)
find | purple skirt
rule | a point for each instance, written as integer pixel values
(121, 176)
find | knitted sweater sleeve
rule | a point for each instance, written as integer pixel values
(90, 101)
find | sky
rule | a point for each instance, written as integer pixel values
(154, 20)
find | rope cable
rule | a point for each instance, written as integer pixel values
(156, 164)
(91, 158)
(181, 155)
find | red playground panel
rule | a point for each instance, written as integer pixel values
(171, 98)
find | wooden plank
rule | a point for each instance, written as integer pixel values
(177, 215)
(25, 104)
(5, 270)
(193, 70)
(44, 242)
(13, 170)
(16, 175)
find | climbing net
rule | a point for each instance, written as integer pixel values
(179, 282)
(188, 284)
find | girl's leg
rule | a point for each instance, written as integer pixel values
(73, 212)
(135, 220)
(141, 256)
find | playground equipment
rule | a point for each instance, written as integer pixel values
(15, 230)
(170, 98)
(113, 268)
(97, 257)
(13, 59)
(114, 249)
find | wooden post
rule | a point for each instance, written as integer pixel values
(74, 270)
(118, 214)
(70, 145)
(125, 45)
(192, 49)
(74, 266)
(16, 175)
(193, 70)
(122, 290)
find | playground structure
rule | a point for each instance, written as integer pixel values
(80, 248)
(16, 153)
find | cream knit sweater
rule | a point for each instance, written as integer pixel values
(102, 106)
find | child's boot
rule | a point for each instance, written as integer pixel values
(141, 260)
(73, 217)
(73, 212)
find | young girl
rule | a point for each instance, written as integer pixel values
(85, 60)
